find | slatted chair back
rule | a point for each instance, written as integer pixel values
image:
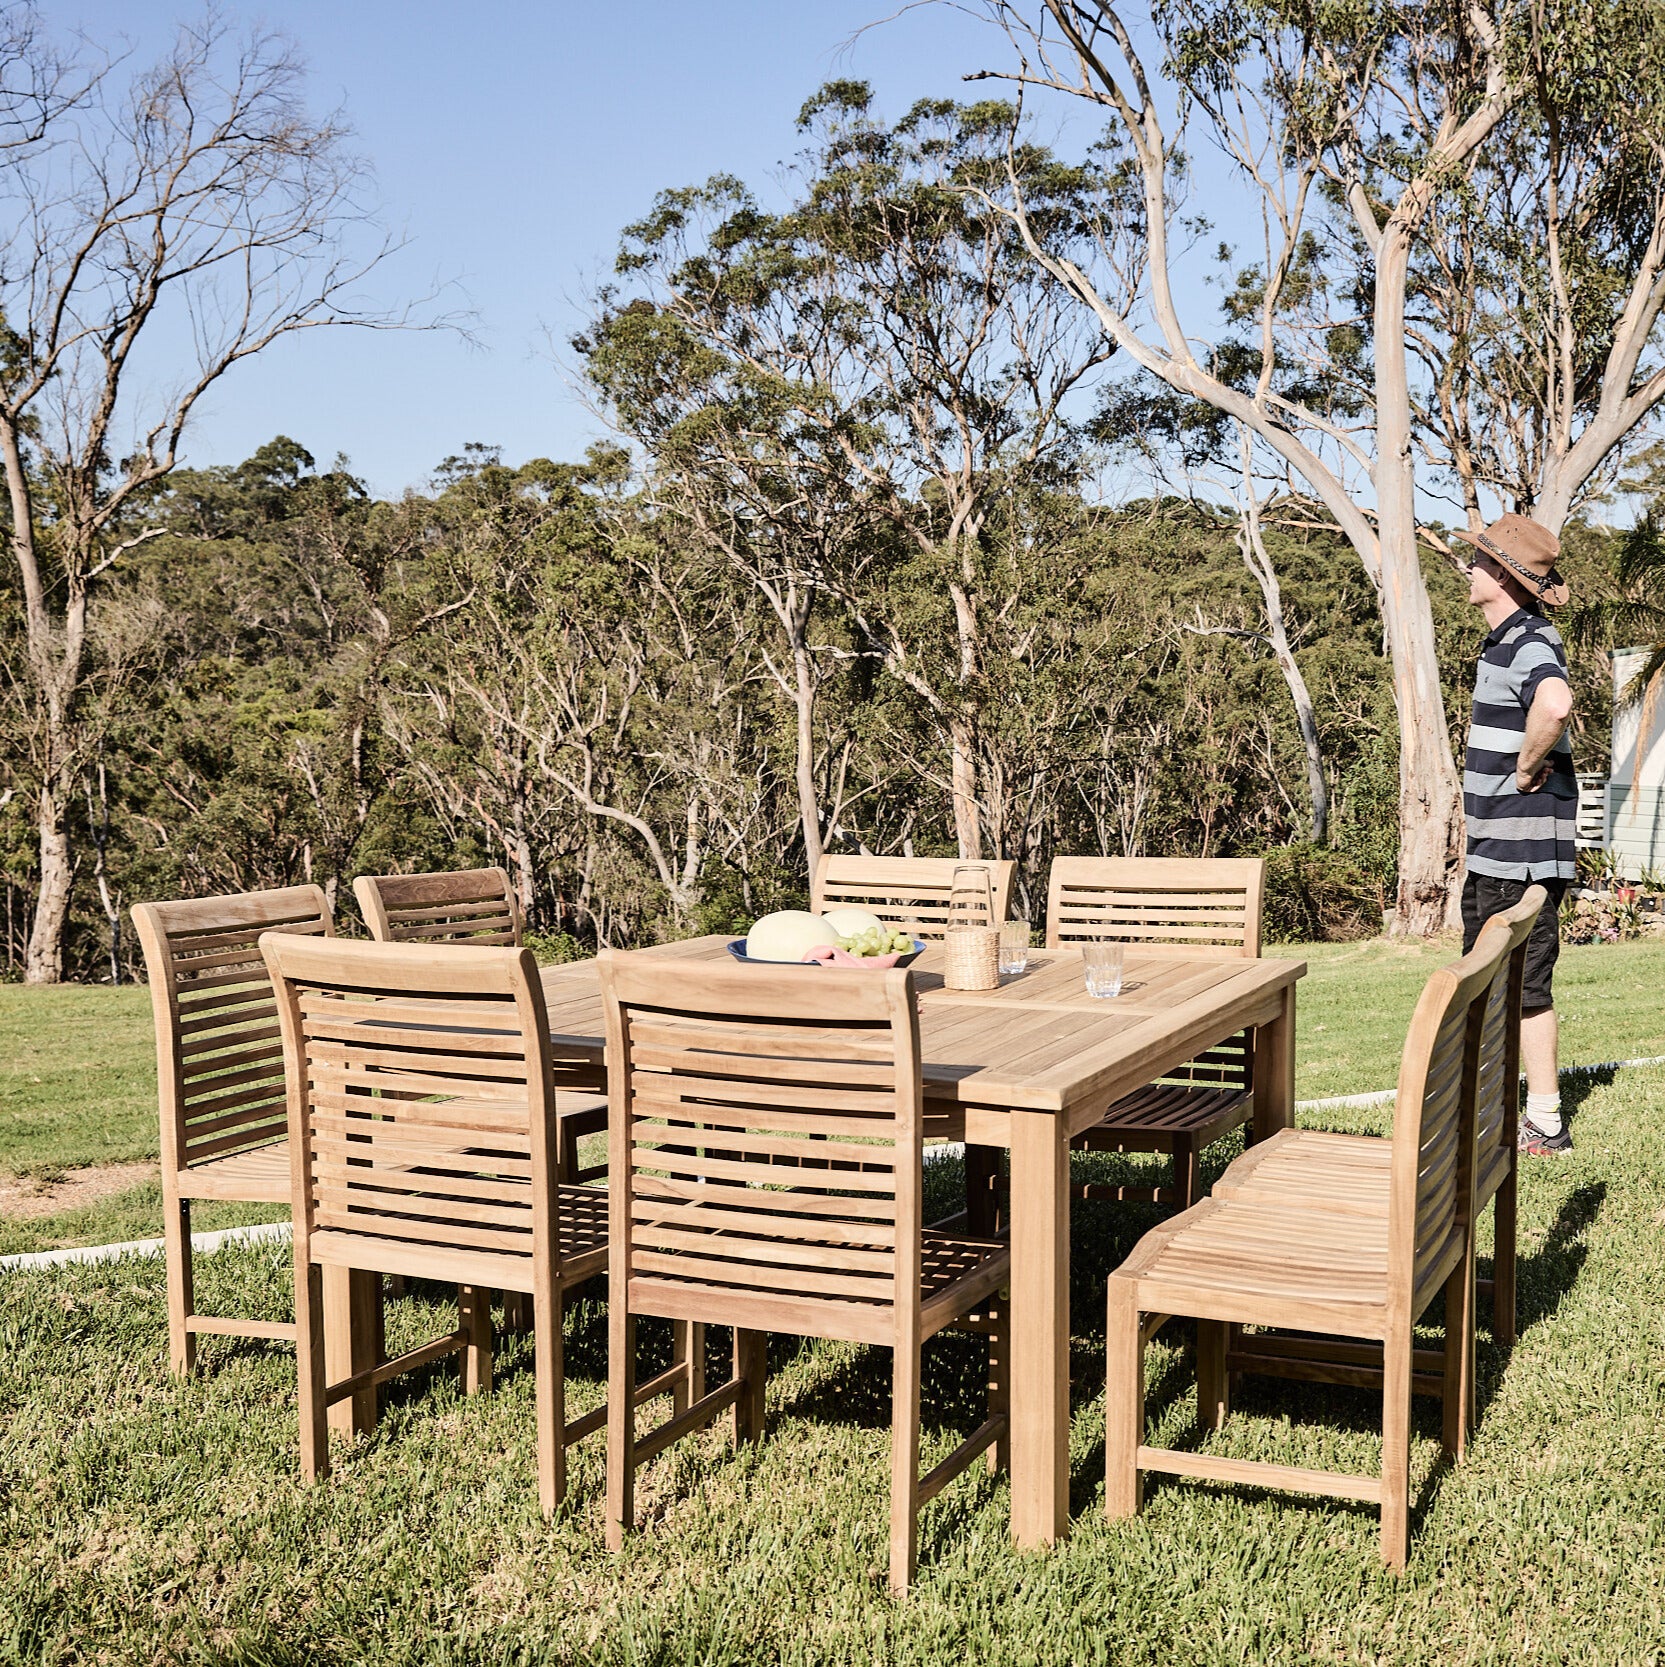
(421, 1107)
(1498, 1088)
(765, 1147)
(1431, 1197)
(1184, 905)
(903, 891)
(1201, 906)
(471, 905)
(219, 1053)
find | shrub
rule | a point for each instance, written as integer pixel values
(554, 948)
(1611, 918)
(1598, 868)
(1318, 895)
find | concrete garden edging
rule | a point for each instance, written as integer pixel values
(201, 1243)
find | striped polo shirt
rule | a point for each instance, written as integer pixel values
(1514, 835)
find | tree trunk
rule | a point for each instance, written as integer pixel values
(1259, 563)
(43, 961)
(1306, 716)
(962, 728)
(968, 828)
(54, 675)
(809, 806)
(1430, 790)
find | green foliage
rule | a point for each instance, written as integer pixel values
(555, 949)
(1318, 895)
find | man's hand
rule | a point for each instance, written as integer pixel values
(1529, 781)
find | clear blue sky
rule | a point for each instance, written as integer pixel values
(512, 139)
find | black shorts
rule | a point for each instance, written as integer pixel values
(1484, 896)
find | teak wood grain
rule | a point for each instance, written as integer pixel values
(1025, 1067)
(766, 1138)
(475, 906)
(1207, 907)
(468, 905)
(904, 891)
(1231, 1262)
(219, 1074)
(1313, 1170)
(423, 1143)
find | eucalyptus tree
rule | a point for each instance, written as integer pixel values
(1309, 104)
(198, 197)
(712, 378)
(1525, 136)
(1218, 460)
(1537, 289)
(883, 351)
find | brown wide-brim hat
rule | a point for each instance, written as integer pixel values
(1527, 552)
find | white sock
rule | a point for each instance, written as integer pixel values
(1545, 1112)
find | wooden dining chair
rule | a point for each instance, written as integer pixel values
(1235, 1262)
(1312, 1169)
(914, 892)
(1185, 906)
(423, 1143)
(219, 1075)
(720, 1217)
(467, 905)
(903, 891)
(473, 906)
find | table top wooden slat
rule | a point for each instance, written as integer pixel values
(1039, 1042)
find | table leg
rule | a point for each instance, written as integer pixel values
(1274, 1078)
(1040, 1334)
(352, 1342)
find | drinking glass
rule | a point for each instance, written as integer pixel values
(969, 900)
(1014, 946)
(1103, 966)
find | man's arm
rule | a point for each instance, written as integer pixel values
(1546, 719)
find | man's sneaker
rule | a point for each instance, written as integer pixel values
(1534, 1143)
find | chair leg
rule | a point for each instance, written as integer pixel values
(474, 1317)
(176, 1244)
(1213, 1390)
(1504, 1222)
(1457, 1386)
(517, 1312)
(621, 1422)
(549, 1368)
(1187, 1170)
(1124, 1401)
(1000, 1383)
(569, 1154)
(751, 1370)
(688, 1351)
(982, 1170)
(1396, 1449)
(309, 1364)
(904, 1464)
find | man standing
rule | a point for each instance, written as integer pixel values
(1519, 792)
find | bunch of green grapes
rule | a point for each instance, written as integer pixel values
(877, 940)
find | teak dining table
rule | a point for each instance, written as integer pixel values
(1026, 1067)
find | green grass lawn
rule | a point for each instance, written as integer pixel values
(1356, 1001)
(78, 1074)
(148, 1521)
